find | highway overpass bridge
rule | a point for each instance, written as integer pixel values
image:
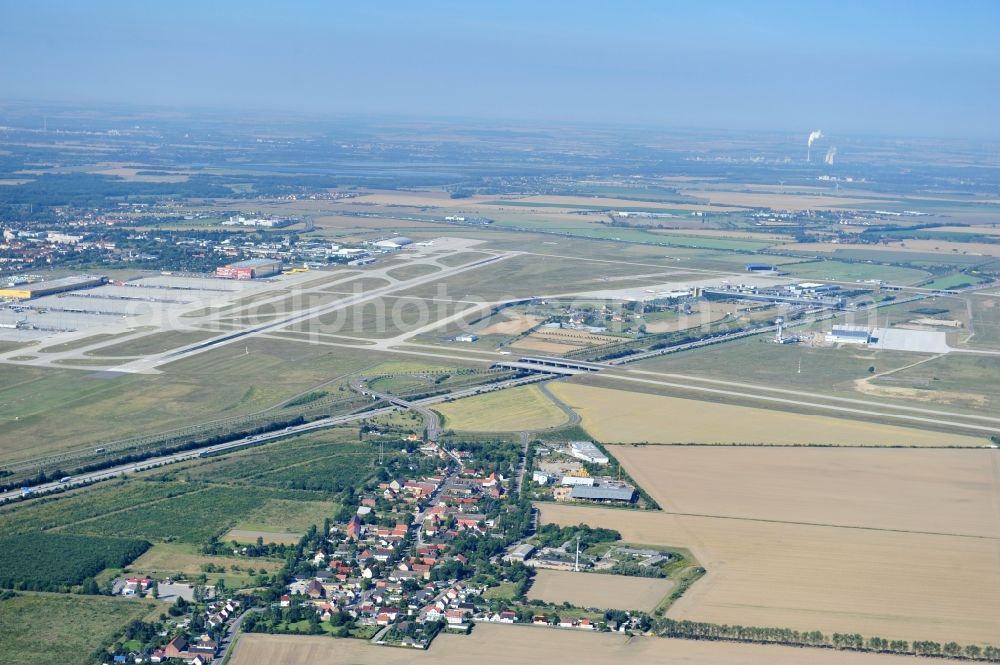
(549, 365)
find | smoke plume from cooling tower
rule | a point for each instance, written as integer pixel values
(830, 154)
(813, 137)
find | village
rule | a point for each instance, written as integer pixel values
(421, 555)
(441, 549)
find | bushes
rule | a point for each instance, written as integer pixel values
(54, 562)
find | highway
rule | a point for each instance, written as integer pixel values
(432, 422)
(229, 446)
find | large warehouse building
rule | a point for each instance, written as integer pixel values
(399, 242)
(48, 287)
(252, 269)
(847, 334)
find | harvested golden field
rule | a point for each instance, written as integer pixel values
(897, 585)
(611, 203)
(991, 230)
(561, 340)
(605, 592)
(945, 491)
(512, 326)
(413, 199)
(621, 416)
(779, 201)
(729, 233)
(918, 246)
(493, 644)
(516, 409)
(542, 346)
(375, 223)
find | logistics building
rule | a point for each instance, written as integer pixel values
(588, 452)
(251, 269)
(48, 287)
(849, 334)
(604, 493)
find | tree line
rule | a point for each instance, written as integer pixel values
(699, 630)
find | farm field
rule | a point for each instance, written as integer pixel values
(193, 517)
(573, 202)
(790, 201)
(188, 512)
(606, 592)
(55, 629)
(622, 416)
(511, 324)
(559, 340)
(515, 409)
(503, 645)
(896, 585)
(919, 490)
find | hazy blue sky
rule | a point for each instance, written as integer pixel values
(928, 68)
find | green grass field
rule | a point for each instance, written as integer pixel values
(849, 272)
(78, 343)
(951, 377)
(955, 281)
(255, 490)
(284, 515)
(39, 405)
(756, 361)
(986, 322)
(381, 317)
(82, 505)
(412, 271)
(916, 259)
(56, 629)
(153, 343)
(171, 559)
(515, 409)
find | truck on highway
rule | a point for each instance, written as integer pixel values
(65, 479)
(25, 491)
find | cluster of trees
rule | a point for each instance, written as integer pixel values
(88, 190)
(634, 569)
(553, 535)
(50, 562)
(277, 620)
(709, 631)
(492, 456)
